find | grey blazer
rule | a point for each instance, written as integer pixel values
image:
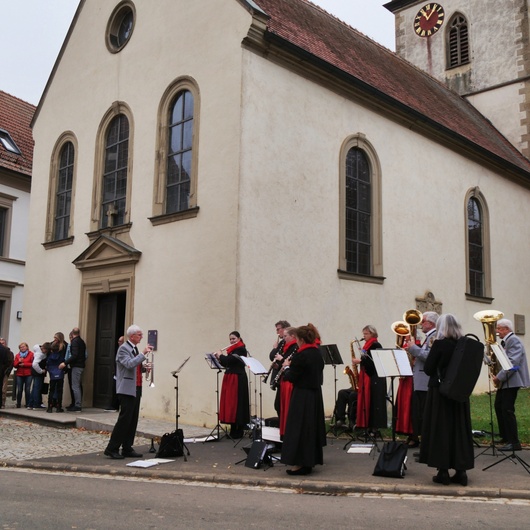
(126, 363)
(515, 351)
(421, 379)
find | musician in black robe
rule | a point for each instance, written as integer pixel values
(446, 436)
(305, 431)
(234, 406)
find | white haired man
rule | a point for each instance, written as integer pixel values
(508, 383)
(128, 359)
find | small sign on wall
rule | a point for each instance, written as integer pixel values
(152, 338)
(518, 324)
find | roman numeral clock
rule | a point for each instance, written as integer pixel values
(429, 20)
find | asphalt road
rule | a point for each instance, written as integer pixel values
(44, 500)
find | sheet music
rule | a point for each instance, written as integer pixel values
(503, 359)
(255, 366)
(391, 363)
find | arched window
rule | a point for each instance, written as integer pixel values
(63, 198)
(361, 216)
(59, 215)
(175, 183)
(457, 41)
(477, 240)
(113, 203)
(179, 157)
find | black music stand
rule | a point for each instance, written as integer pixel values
(214, 364)
(331, 355)
(175, 374)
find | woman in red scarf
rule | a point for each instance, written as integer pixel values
(286, 387)
(371, 400)
(305, 432)
(234, 407)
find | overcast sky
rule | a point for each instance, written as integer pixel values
(32, 32)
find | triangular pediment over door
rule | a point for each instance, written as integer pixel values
(106, 251)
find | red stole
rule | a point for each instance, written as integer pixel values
(364, 392)
(229, 396)
(404, 405)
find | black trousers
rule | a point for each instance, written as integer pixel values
(125, 429)
(347, 397)
(418, 408)
(505, 411)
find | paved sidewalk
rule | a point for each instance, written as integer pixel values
(78, 446)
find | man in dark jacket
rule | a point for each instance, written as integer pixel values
(76, 365)
(6, 365)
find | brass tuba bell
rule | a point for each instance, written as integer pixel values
(401, 329)
(489, 319)
(413, 318)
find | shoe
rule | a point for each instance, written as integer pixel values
(49, 409)
(460, 477)
(73, 409)
(113, 454)
(412, 444)
(442, 477)
(510, 447)
(300, 471)
(60, 409)
(131, 454)
(18, 406)
(29, 408)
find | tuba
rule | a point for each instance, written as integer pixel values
(413, 318)
(489, 319)
(402, 330)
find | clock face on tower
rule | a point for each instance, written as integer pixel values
(429, 20)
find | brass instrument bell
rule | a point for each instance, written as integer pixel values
(489, 319)
(413, 318)
(402, 330)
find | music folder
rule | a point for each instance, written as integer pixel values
(503, 359)
(331, 354)
(177, 371)
(255, 366)
(212, 361)
(391, 363)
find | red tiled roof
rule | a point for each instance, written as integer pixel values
(15, 118)
(326, 38)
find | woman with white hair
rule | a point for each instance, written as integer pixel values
(446, 438)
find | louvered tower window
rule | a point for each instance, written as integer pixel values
(458, 42)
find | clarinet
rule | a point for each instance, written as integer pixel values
(275, 382)
(274, 364)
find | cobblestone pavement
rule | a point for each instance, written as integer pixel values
(24, 440)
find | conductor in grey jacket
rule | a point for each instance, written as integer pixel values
(128, 359)
(421, 379)
(508, 383)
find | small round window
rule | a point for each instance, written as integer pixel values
(120, 26)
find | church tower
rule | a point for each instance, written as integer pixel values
(478, 48)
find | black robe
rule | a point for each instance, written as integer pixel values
(235, 367)
(446, 436)
(305, 431)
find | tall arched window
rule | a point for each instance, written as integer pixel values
(63, 197)
(113, 203)
(176, 171)
(478, 248)
(60, 208)
(457, 41)
(179, 157)
(475, 248)
(360, 234)
(358, 213)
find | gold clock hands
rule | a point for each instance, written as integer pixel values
(431, 12)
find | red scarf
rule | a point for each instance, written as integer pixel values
(238, 344)
(368, 344)
(287, 345)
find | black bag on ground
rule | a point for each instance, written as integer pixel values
(464, 368)
(171, 444)
(391, 461)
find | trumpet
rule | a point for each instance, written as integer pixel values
(150, 373)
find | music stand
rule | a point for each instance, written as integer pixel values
(214, 364)
(331, 355)
(175, 374)
(391, 364)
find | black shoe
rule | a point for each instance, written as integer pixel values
(510, 447)
(460, 477)
(73, 409)
(113, 454)
(131, 454)
(301, 471)
(60, 409)
(442, 477)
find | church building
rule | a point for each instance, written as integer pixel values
(204, 167)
